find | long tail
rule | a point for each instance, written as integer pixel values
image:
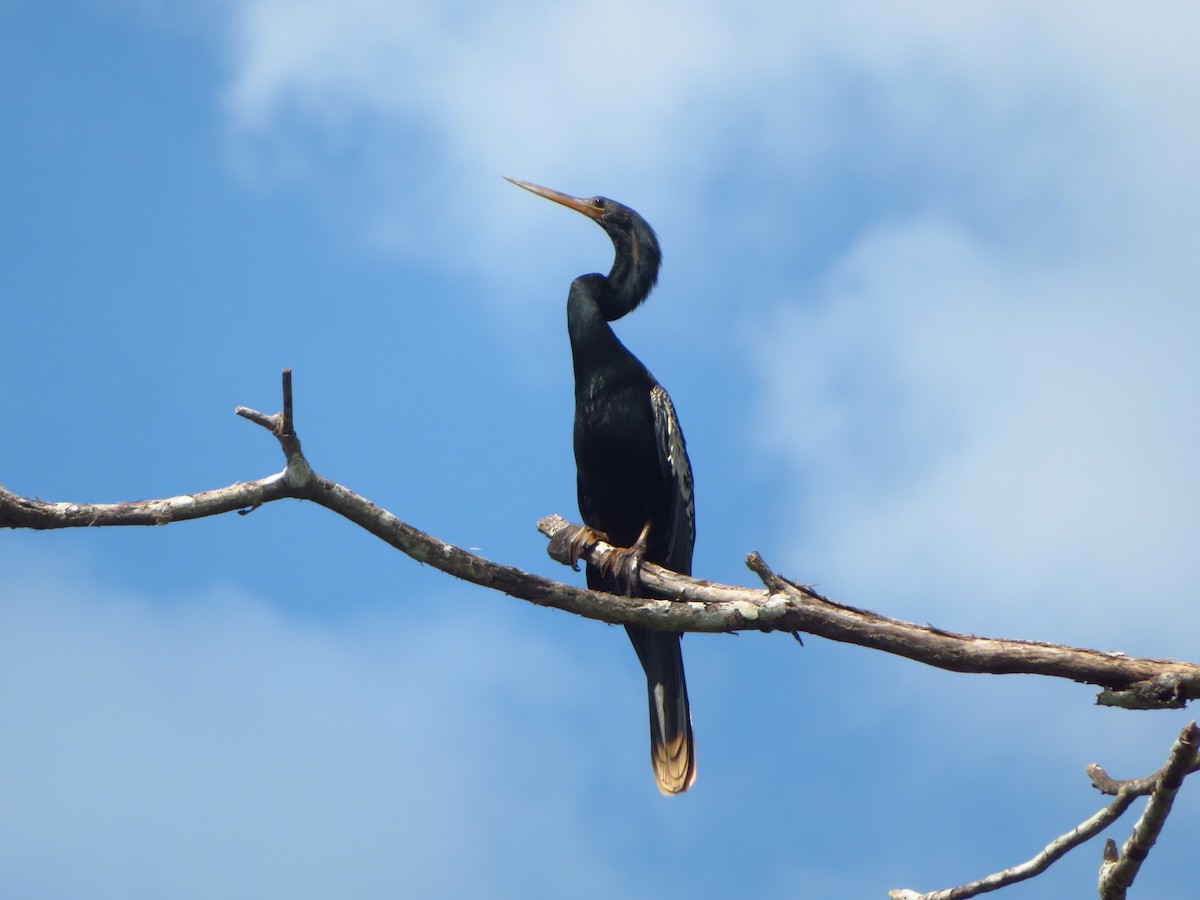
(672, 750)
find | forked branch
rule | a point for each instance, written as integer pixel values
(682, 603)
(676, 603)
(1120, 868)
(1117, 874)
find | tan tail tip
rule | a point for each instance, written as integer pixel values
(674, 772)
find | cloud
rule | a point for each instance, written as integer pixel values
(763, 130)
(403, 116)
(209, 745)
(957, 244)
(963, 430)
(975, 222)
(629, 87)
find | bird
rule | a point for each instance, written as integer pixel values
(633, 475)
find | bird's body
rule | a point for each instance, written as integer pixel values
(634, 477)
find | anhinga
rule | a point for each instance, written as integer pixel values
(634, 478)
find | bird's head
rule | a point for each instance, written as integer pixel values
(638, 255)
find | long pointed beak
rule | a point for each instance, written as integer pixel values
(576, 203)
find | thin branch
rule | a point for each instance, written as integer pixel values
(1166, 783)
(1053, 852)
(26, 512)
(1140, 787)
(677, 602)
(1120, 869)
(790, 606)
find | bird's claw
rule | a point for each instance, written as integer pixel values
(624, 567)
(570, 544)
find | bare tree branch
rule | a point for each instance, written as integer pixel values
(682, 603)
(1128, 682)
(1120, 869)
(1163, 784)
(1053, 852)
(1105, 784)
(677, 602)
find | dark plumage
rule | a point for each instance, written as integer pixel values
(634, 478)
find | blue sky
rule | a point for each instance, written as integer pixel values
(928, 317)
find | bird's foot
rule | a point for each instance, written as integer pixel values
(624, 564)
(572, 542)
(624, 567)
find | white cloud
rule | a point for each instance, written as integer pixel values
(208, 745)
(989, 357)
(560, 88)
(988, 361)
(989, 375)
(972, 433)
(976, 221)
(403, 115)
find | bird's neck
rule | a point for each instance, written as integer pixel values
(597, 353)
(634, 271)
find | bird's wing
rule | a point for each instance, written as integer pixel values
(677, 472)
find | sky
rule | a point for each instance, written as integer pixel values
(928, 319)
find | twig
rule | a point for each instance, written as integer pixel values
(1118, 870)
(1105, 784)
(1053, 851)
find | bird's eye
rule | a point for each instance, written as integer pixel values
(599, 202)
